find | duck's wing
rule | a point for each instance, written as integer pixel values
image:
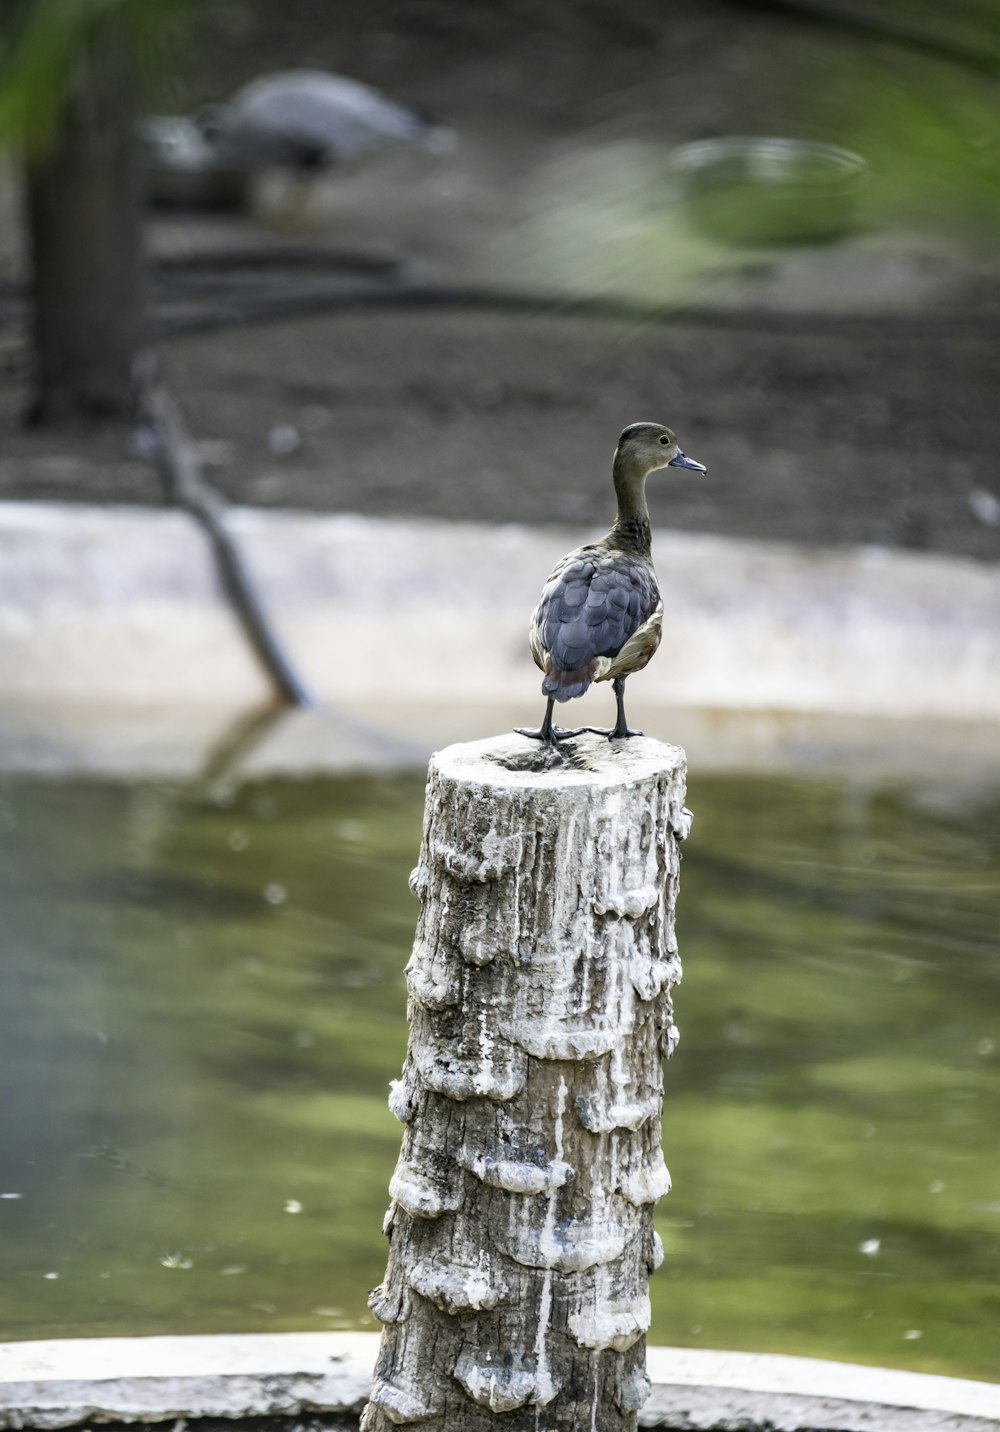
(591, 605)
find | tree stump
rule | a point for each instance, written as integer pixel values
(521, 1226)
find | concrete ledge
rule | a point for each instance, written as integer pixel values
(124, 605)
(67, 1382)
(701, 1389)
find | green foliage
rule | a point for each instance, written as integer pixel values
(932, 142)
(48, 40)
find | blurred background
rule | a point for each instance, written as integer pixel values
(383, 341)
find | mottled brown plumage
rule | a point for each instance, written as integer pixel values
(600, 614)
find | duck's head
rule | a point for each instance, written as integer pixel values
(643, 447)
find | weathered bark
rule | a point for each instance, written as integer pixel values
(84, 199)
(521, 1229)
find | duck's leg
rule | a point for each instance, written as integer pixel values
(548, 732)
(621, 727)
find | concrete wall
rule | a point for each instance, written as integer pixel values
(124, 604)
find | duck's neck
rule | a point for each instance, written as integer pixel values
(631, 530)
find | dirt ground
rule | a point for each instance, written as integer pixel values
(845, 394)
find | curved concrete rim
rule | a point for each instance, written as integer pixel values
(65, 1382)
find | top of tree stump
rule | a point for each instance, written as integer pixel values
(586, 760)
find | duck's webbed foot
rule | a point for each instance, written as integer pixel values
(548, 732)
(553, 734)
(618, 733)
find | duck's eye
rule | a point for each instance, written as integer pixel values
(664, 441)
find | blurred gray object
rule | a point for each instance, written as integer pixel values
(769, 191)
(300, 123)
(309, 119)
(184, 169)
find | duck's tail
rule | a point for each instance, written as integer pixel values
(564, 685)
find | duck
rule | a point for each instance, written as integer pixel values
(284, 132)
(600, 615)
(308, 120)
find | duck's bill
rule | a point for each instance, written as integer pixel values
(682, 460)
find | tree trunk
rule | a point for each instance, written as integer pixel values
(84, 203)
(521, 1224)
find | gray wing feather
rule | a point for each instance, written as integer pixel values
(591, 605)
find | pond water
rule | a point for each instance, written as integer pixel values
(203, 1002)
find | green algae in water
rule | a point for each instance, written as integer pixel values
(203, 1003)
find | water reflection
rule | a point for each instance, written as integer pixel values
(203, 1002)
